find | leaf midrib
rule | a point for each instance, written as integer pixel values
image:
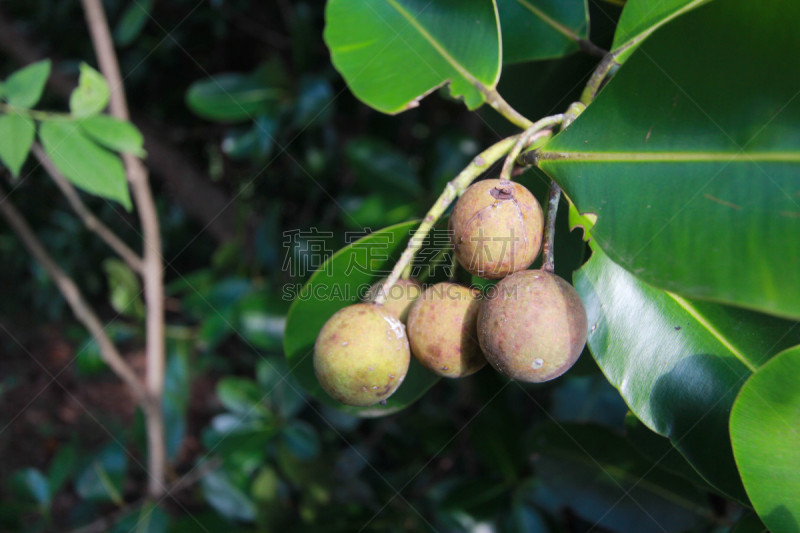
(560, 28)
(672, 157)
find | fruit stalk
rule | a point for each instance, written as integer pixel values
(548, 260)
(539, 129)
(454, 188)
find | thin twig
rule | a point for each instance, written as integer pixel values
(537, 130)
(499, 104)
(548, 261)
(72, 294)
(91, 222)
(153, 273)
(453, 189)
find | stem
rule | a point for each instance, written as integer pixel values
(152, 273)
(537, 130)
(499, 104)
(35, 114)
(91, 222)
(454, 188)
(72, 294)
(548, 261)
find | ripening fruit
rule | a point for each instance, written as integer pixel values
(441, 330)
(399, 296)
(532, 326)
(361, 355)
(496, 228)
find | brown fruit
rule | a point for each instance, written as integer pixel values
(496, 228)
(399, 297)
(361, 355)
(441, 330)
(532, 326)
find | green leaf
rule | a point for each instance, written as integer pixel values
(541, 29)
(125, 291)
(61, 467)
(85, 164)
(230, 97)
(342, 280)
(228, 499)
(24, 87)
(177, 392)
(132, 21)
(262, 320)
(149, 518)
(241, 396)
(302, 440)
(597, 474)
(392, 53)
(31, 483)
(91, 95)
(380, 167)
(677, 363)
(765, 430)
(114, 134)
(700, 169)
(640, 18)
(16, 137)
(103, 477)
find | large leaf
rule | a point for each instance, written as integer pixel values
(24, 87)
(392, 53)
(16, 137)
(696, 190)
(230, 97)
(341, 281)
(765, 430)
(677, 363)
(541, 29)
(83, 162)
(601, 477)
(640, 18)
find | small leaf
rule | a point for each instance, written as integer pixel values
(91, 95)
(241, 396)
(230, 97)
(114, 134)
(24, 87)
(84, 163)
(132, 21)
(124, 287)
(16, 137)
(61, 468)
(103, 477)
(229, 500)
(33, 484)
(302, 440)
(764, 426)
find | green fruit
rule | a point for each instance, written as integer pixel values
(399, 297)
(442, 330)
(496, 228)
(361, 355)
(532, 326)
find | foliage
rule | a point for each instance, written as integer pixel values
(681, 174)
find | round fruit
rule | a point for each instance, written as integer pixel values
(398, 298)
(442, 330)
(532, 326)
(361, 355)
(496, 228)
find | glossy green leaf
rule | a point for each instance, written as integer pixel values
(342, 280)
(697, 189)
(177, 393)
(16, 137)
(677, 363)
(640, 18)
(392, 53)
(103, 477)
(600, 476)
(765, 431)
(125, 290)
(32, 484)
(541, 29)
(149, 518)
(114, 134)
(381, 167)
(230, 97)
(241, 396)
(228, 499)
(24, 87)
(91, 95)
(301, 439)
(84, 163)
(132, 22)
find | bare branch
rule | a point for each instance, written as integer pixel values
(89, 220)
(72, 294)
(152, 273)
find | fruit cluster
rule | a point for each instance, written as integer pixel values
(531, 326)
